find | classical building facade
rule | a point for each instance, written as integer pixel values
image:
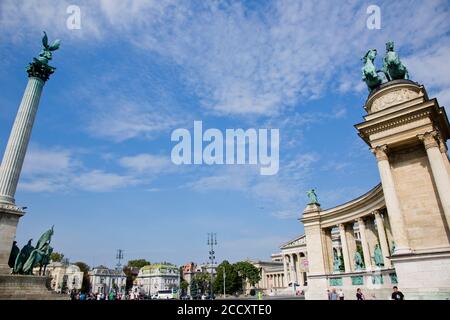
(105, 280)
(156, 277)
(403, 223)
(64, 278)
(398, 233)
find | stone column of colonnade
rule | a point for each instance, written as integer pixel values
(383, 238)
(438, 169)
(285, 271)
(364, 243)
(344, 246)
(392, 202)
(299, 270)
(293, 272)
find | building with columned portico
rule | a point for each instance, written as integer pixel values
(396, 234)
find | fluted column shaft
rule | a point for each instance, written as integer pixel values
(18, 140)
(392, 203)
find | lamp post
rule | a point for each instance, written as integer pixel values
(212, 241)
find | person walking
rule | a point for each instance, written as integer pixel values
(359, 295)
(397, 295)
(341, 294)
(333, 294)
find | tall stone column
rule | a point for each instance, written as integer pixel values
(364, 243)
(292, 268)
(38, 72)
(383, 239)
(285, 272)
(439, 170)
(391, 199)
(18, 140)
(298, 268)
(344, 245)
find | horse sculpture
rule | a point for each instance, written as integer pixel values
(393, 68)
(40, 254)
(369, 72)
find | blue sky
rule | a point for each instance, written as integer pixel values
(98, 165)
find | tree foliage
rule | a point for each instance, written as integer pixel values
(138, 263)
(233, 283)
(130, 273)
(235, 276)
(85, 284)
(56, 256)
(248, 272)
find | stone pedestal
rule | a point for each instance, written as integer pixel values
(21, 287)
(9, 218)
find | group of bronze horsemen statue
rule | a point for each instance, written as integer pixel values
(23, 261)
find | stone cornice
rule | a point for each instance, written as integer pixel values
(11, 209)
(297, 242)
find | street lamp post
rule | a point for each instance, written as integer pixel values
(212, 241)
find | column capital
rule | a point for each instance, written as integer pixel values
(429, 139)
(376, 213)
(360, 220)
(380, 152)
(341, 226)
(442, 145)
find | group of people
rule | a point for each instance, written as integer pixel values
(334, 295)
(75, 295)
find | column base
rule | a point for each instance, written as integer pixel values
(423, 275)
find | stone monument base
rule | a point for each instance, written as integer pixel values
(27, 287)
(424, 276)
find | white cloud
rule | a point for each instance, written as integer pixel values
(43, 161)
(58, 169)
(126, 121)
(243, 61)
(99, 181)
(147, 163)
(281, 191)
(431, 68)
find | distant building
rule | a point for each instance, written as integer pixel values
(64, 278)
(156, 277)
(105, 280)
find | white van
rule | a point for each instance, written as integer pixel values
(165, 294)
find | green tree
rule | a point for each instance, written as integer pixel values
(138, 263)
(56, 256)
(202, 281)
(194, 288)
(248, 272)
(233, 282)
(130, 271)
(85, 284)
